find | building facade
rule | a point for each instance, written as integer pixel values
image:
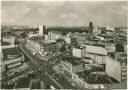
(44, 47)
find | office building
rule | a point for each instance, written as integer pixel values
(96, 53)
(44, 47)
(78, 51)
(41, 30)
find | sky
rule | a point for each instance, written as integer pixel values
(64, 13)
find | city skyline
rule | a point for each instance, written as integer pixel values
(64, 13)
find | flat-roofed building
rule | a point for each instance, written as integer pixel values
(96, 53)
(11, 58)
(8, 39)
(76, 71)
(78, 51)
(53, 35)
(80, 37)
(39, 45)
(70, 66)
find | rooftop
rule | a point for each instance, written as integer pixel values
(71, 60)
(41, 40)
(95, 50)
(121, 56)
(90, 78)
(79, 47)
(12, 52)
(3, 43)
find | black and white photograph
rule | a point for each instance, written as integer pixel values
(63, 45)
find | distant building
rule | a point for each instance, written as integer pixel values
(31, 34)
(41, 30)
(68, 39)
(96, 31)
(80, 37)
(9, 39)
(53, 35)
(78, 51)
(110, 28)
(96, 53)
(120, 35)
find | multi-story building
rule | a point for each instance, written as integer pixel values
(117, 68)
(11, 57)
(53, 35)
(43, 47)
(71, 67)
(96, 53)
(96, 31)
(80, 37)
(120, 34)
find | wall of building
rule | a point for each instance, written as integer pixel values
(13, 60)
(67, 68)
(99, 59)
(14, 64)
(113, 69)
(41, 30)
(55, 35)
(77, 52)
(9, 39)
(81, 37)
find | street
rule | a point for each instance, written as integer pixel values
(40, 74)
(60, 81)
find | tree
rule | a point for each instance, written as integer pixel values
(63, 48)
(23, 35)
(6, 68)
(119, 48)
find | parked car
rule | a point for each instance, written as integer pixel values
(88, 68)
(73, 84)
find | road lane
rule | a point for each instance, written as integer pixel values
(38, 64)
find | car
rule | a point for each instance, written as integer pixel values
(102, 86)
(88, 68)
(53, 76)
(73, 84)
(12, 81)
(33, 53)
(11, 74)
(52, 87)
(69, 80)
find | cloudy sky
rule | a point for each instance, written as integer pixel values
(72, 13)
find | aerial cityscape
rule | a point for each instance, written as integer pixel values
(63, 45)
